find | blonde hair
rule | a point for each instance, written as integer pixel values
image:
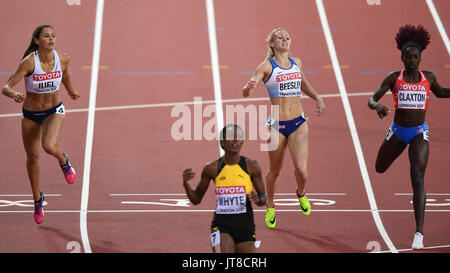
(269, 39)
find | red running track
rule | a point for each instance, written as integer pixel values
(155, 56)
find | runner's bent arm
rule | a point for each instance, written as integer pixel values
(26, 67)
(436, 88)
(196, 196)
(373, 104)
(65, 59)
(309, 90)
(265, 68)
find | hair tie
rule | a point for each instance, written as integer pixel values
(411, 44)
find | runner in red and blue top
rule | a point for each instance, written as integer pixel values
(43, 69)
(410, 89)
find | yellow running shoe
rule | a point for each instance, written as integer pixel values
(304, 203)
(271, 220)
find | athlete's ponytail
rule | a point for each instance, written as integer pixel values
(33, 46)
(269, 39)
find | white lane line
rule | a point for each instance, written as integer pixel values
(215, 67)
(416, 251)
(183, 194)
(147, 194)
(90, 126)
(352, 126)
(213, 210)
(29, 195)
(438, 194)
(439, 25)
(170, 104)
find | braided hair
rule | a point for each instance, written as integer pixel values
(412, 36)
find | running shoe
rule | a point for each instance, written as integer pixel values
(39, 210)
(271, 220)
(418, 241)
(68, 171)
(304, 203)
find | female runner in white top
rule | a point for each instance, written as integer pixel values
(293, 130)
(44, 69)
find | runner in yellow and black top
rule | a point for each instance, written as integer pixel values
(236, 178)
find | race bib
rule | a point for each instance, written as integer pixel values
(389, 134)
(61, 110)
(289, 84)
(426, 136)
(412, 100)
(215, 238)
(46, 83)
(231, 200)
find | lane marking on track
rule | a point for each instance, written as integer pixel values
(203, 102)
(19, 203)
(212, 210)
(430, 202)
(415, 251)
(90, 125)
(439, 25)
(351, 124)
(30, 195)
(329, 66)
(102, 67)
(385, 72)
(215, 68)
(147, 194)
(183, 194)
(157, 73)
(222, 66)
(248, 72)
(184, 202)
(427, 194)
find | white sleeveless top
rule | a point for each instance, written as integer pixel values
(40, 82)
(284, 82)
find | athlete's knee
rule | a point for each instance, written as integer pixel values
(301, 168)
(302, 172)
(417, 178)
(32, 159)
(50, 147)
(273, 173)
(418, 172)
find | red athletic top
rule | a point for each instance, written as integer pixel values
(411, 95)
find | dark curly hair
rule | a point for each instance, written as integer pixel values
(412, 36)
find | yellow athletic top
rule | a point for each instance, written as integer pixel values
(232, 185)
(234, 175)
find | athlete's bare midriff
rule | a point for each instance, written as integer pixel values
(288, 108)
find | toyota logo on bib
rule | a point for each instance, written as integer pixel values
(46, 77)
(289, 77)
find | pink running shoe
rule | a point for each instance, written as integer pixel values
(69, 171)
(39, 210)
